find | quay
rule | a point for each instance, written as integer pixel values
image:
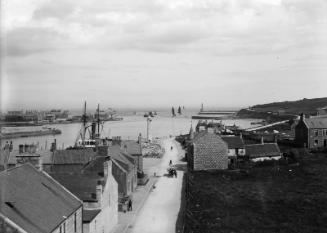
(213, 112)
(210, 117)
(35, 133)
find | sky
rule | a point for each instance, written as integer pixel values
(160, 53)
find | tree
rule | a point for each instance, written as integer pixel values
(173, 112)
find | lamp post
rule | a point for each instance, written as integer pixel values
(148, 122)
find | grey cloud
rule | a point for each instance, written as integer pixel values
(54, 9)
(26, 41)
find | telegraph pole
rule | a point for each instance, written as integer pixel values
(148, 123)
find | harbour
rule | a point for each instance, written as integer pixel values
(162, 125)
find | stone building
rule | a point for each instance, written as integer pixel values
(208, 151)
(236, 148)
(262, 152)
(311, 132)
(33, 202)
(124, 169)
(52, 161)
(134, 148)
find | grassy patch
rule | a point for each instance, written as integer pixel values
(267, 199)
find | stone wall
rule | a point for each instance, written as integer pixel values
(210, 152)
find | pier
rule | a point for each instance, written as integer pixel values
(217, 112)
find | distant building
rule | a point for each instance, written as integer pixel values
(235, 148)
(322, 111)
(207, 151)
(64, 161)
(134, 148)
(33, 202)
(14, 116)
(211, 127)
(263, 151)
(124, 169)
(311, 132)
(50, 117)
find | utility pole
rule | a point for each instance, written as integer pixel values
(148, 122)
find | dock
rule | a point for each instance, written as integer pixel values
(35, 133)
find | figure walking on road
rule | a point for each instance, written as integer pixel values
(170, 163)
(130, 205)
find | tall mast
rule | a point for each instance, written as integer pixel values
(98, 120)
(84, 125)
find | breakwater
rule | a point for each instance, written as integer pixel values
(30, 133)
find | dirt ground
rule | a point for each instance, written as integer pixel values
(284, 198)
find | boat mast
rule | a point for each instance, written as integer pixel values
(84, 125)
(98, 120)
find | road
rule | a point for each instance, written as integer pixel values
(160, 211)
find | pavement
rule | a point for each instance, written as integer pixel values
(155, 210)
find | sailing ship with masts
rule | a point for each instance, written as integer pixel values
(89, 134)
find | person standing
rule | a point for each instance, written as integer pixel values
(130, 205)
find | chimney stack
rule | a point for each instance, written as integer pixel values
(99, 192)
(107, 167)
(40, 165)
(21, 148)
(139, 139)
(53, 146)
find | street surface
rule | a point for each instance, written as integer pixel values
(160, 210)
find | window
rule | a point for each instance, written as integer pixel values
(316, 133)
(60, 229)
(64, 227)
(316, 142)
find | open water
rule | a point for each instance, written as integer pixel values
(129, 128)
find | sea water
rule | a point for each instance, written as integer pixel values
(130, 127)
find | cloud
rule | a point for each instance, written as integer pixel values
(25, 41)
(181, 25)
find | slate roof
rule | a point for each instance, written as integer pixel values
(123, 159)
(316, 123)
(233, 142)
(38, 203)
(262, 150)
(81, 185)
(204, 134)
(89, 215)
(46, 156)
(211, 141)
(79, 156)
(95, 166)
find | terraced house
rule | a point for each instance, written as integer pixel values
(33, 202)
